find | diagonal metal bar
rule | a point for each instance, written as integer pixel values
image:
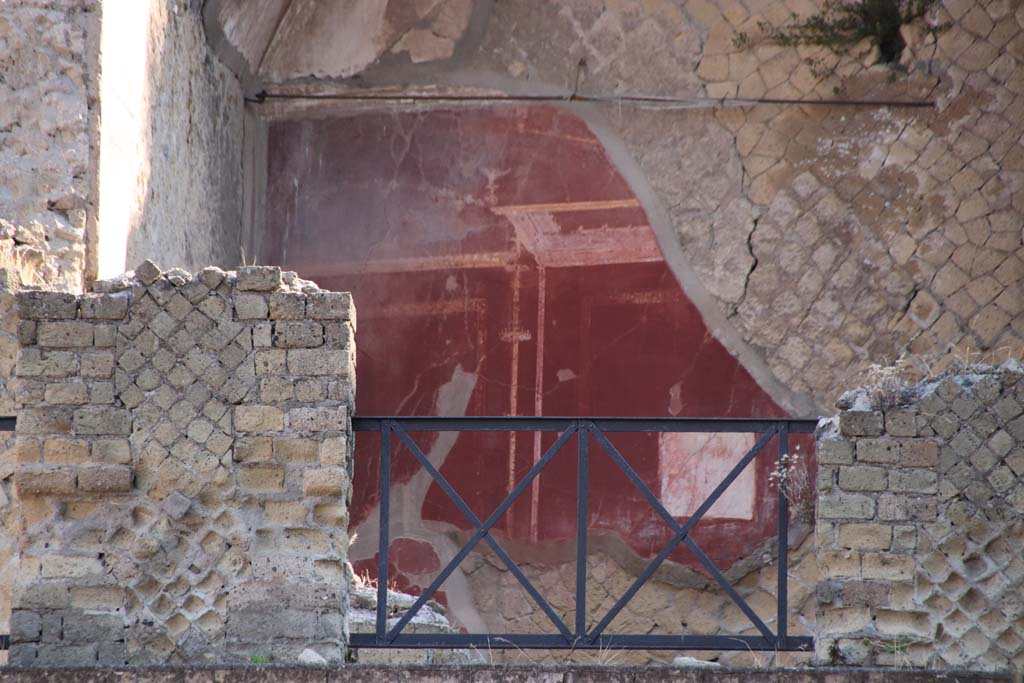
(681, 532)
(611, 450)
(727, 587)
(482, 531)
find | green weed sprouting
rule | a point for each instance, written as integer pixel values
(843, 24)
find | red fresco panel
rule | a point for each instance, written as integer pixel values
(500, 265)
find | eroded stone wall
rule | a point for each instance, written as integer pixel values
(921, 522)
(47, 83)
(815, 238)
(184, 455)
(830, 236)
(170, 141)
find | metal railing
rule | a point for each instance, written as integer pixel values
(388, 632)
(7, 424)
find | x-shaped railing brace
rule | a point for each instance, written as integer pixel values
(583, 428)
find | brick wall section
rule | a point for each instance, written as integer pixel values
(920, 525)
(184, 455)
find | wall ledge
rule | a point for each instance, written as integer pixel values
(490, 673)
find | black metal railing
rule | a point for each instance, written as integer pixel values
(388, 632)
(6, 425)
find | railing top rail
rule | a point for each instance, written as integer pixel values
(372, 423)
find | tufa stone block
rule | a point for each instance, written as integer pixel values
(111, 451)
(44, 421)
(324, 481)
(901, 422)
(863, 478)
(65, 452)
(253, 449)
(102, 420)
(258, 278)
(251, 306)
(878, 451)
(834, 452)
(37, 305)
(258, 419)
(329, 305)
(66, 393)
(919, 453)
(887, 567)
(105, 598)
(316, 362)
(103, 307)
(261, 477)
(846, 506)
(65, 335)
(285, 513)
(147, 272)
(287, 306)
(860, 423)
(42, 480)
(296, 450)
(318, 419)
(860, 536)
(299, 334)
(105, 479)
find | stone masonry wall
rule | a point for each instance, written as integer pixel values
(815, 239)
(921, 524)
(184, 453)
(47, 80)
(48, 64)
(171, 141)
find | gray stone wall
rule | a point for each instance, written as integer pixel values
(48, 51)
(188, 203)
(183, 469)
(921, 523)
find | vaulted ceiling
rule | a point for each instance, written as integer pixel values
(278, 41)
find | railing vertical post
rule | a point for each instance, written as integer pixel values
(385, 524)
(581, 531)
(783, 470)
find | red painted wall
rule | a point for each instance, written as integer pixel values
(501, 266)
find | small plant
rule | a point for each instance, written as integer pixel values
(835, 655)
(364, 580)
(791, 475)
(259, 659)
(899, 648)
(843, 24)
(888, 384)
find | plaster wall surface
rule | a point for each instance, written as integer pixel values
(815, 239)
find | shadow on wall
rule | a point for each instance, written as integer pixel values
(170, 142)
